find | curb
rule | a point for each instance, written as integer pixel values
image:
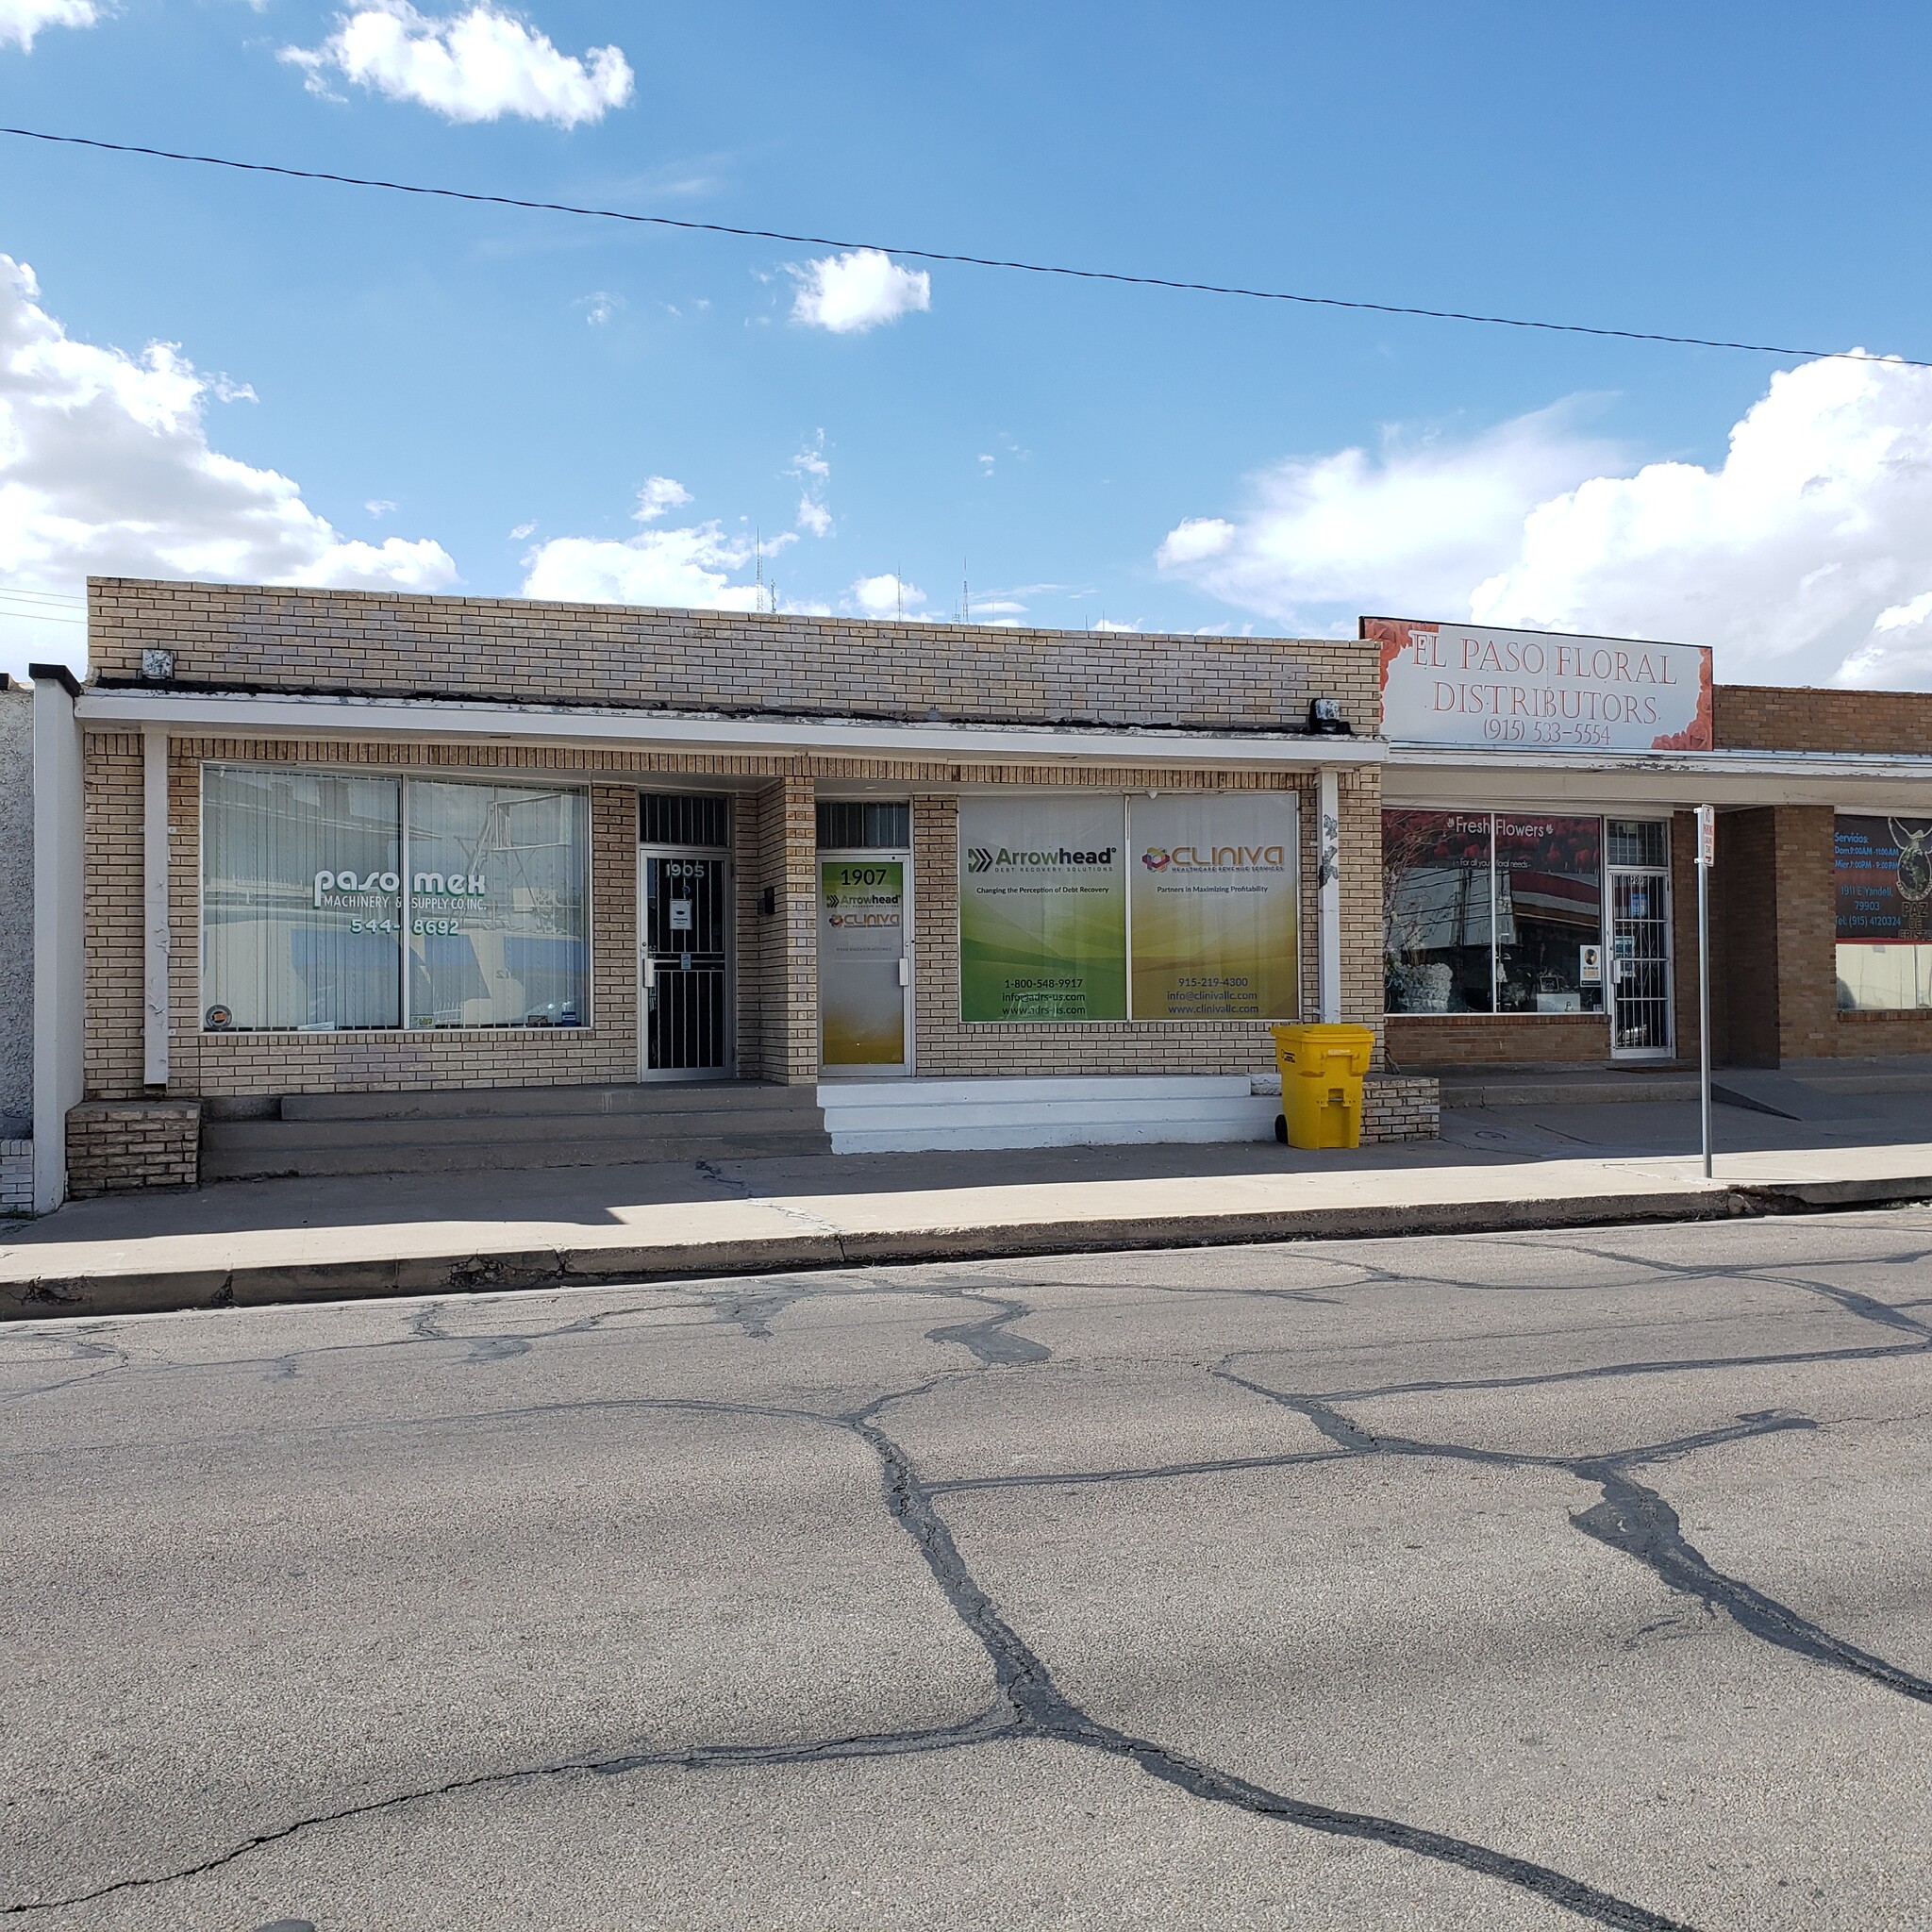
(174, 1290)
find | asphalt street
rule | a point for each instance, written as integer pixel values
(1518, 1581)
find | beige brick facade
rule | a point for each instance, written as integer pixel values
(318, 642)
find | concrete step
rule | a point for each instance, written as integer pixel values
(672, 1129)
(637, 1097)
(263, 1160)
(910, 1116)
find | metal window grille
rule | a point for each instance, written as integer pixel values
(1642, 843)
(681, 818)
(864, 825)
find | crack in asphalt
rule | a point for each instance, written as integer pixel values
(1638, 1521)
(1630, 1518)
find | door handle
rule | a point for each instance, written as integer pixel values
(905, 970)
(650, 973)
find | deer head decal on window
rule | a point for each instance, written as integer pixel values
(1914, 861)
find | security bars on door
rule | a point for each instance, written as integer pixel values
(685, 926)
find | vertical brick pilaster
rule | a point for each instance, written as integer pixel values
(1805, 933)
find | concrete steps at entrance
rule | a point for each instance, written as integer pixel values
(912, 1116)
(458, 1130)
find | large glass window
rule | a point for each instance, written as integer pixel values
(1492, 912)
(1883, 875)
(496, 905)
(325, 895)
(300, 900)
(1437, 908)
(1549, 908)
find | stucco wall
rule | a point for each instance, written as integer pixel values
(16, 912)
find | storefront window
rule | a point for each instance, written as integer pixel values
(1549, 915)
(1883, 872)
(300, 900)
(315, 908)
(1437, 911)
(496, 905)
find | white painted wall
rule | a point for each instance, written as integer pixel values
(60, 984)
(16, 912)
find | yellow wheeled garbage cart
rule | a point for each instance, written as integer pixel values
(1322, 1069)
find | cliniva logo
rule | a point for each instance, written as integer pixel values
(1217, 858)
(978, 859)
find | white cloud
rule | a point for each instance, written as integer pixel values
(521, 531)
(474, 66)
(689, 567)
(1408, 530)
(814, 517)
(1804, 557)
(858, 290)
(1107, 624)
(21, 20)
(659, 494)
(886, 595)
(106, 468)
(599, 306)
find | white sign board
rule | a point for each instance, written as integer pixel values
(1471, 685)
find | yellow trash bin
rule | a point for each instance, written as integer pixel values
(1322, 1069)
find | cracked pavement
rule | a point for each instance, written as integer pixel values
(1510, 1581)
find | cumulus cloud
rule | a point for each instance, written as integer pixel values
(859, 290)
(886, 595)
(474, 66)
(690, 566)
(1804, 557)
(659, 496)
(21, 20)
(1410, 528)
(106, 468)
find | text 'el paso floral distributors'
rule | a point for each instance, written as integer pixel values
(1465, 684)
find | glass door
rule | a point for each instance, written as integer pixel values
(685, 963)
(865, 971)
(1639, 923)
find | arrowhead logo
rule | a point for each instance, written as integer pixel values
(978, 859)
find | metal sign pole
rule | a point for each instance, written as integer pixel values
(1707, 857)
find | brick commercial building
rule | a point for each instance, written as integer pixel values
(352, 882)
(346, 882)
(1538, 881)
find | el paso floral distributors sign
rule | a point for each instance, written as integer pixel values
(1464, 684)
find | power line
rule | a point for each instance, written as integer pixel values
(1031, 268)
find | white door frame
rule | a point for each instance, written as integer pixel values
(859, 855)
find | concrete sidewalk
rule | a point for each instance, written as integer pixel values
(240, 1243)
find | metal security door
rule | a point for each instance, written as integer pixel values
(684, 965)
(1640, 999)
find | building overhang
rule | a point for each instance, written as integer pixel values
(1458, 775)
(239, 714)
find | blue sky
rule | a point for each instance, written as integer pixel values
(503, 388)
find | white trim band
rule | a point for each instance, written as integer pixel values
(243, 715)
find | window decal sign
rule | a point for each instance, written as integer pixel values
(1042, 908)
(1469, 684)
(1883, 872)
(1216, 908)
(861, 941)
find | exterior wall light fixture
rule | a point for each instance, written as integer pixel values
(1325, 719)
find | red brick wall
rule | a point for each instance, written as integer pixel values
(1744, 933)
(1749, 717)
(1483, 1039)
(1805, 924)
